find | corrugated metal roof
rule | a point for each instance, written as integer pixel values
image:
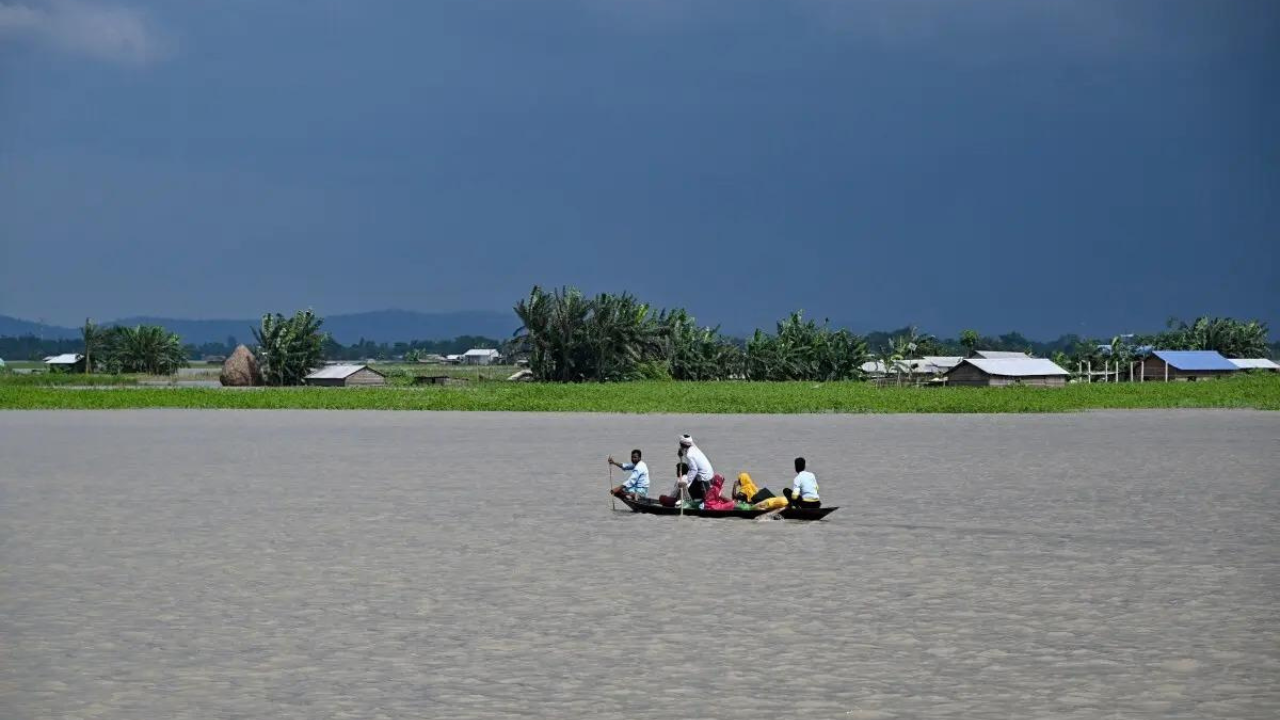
(1195, 359)
(942, 363)
(63, 359)
(999, 354)
(1016, 366)
(1253, 363)
(928, 365)
(477, 352)
(337, 372)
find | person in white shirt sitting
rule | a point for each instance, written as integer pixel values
(803, 492)
(638, 484)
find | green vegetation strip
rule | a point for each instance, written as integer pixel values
(1259, 392)
(56, 379)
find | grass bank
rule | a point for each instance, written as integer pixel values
(47, 379)
(1258, 392)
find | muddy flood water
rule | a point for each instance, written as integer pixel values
(220, 564)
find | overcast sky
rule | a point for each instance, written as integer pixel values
(1051, 166)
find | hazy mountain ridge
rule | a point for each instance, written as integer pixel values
(379, 326)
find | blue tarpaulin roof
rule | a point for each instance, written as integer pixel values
(1195, 360)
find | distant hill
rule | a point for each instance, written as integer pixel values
(13, 327)
(380, 326)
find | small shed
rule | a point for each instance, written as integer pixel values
(999, 354)
(345, 376)
(66, 362)
(481, 356)
(1007, 371)
(1184, 365)
(1240, 363)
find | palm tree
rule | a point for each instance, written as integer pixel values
(803, 350)
(553, 333)
(568, 337)
(148, 349)
(1227, 336)
(90, 334)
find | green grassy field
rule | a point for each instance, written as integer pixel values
(60, 379)
(1255, 391)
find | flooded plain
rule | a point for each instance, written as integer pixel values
(292, 564)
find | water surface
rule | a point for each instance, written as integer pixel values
(294, 564)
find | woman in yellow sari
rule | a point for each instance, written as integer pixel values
(745, 491)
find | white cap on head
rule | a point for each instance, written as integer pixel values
(686, 440)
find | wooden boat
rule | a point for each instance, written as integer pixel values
(653, 507)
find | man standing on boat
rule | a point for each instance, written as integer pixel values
(803, 492)
(638, 484)
(697, 478)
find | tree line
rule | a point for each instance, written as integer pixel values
(567, 336)
(30, 347)
(570, 337)
(1227, 336)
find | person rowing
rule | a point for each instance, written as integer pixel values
(698, 472)
(637, 486)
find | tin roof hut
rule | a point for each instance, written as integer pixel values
(1184, 365)
(1007, 371)
(345, 376)
(1248, 364)
(998, 354)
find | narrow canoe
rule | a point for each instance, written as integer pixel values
(653, 507)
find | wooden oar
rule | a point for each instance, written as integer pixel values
(613, 505)
(679, 490)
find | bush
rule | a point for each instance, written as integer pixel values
(289, 348)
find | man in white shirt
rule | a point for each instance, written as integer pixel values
(803, 492)
(698, 471)
(638, 484)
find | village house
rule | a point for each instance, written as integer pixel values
(345, 376)
(1007, 371)
(998, 354)
(937, 364)
(67, 362)
(481, 356)
(923, 368)
(1183, 365)
(1241, 363)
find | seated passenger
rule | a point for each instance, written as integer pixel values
(745, 490)
(637, 486)
(674, 500)
(713, 499)
(803, 492)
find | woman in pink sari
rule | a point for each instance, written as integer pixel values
(713, 500)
